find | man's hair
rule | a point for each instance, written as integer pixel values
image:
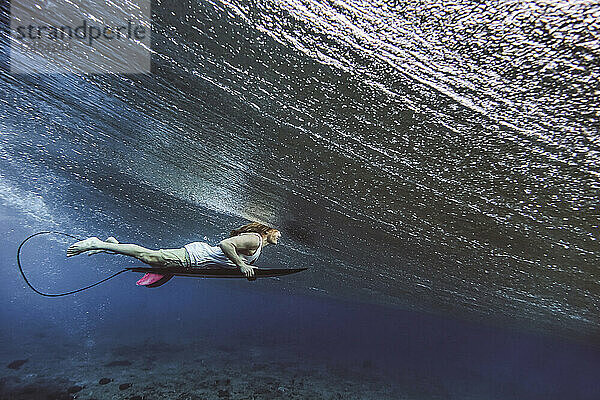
(251, 227)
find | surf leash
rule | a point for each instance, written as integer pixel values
(56, 294)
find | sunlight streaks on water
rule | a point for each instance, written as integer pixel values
(451, 146)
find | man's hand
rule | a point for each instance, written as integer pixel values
(247, 270)
(241, 243)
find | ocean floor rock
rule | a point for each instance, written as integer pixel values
(16, 364)
(35, 391)
(74, 389)
(59, 396)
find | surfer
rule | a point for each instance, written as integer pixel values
(242, 248)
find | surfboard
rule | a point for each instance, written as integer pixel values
(155, 277)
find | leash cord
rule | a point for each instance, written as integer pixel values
(56, 294)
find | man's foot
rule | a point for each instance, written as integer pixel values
(84, 245)
(109, 239)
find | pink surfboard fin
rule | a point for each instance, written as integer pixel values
(153, 280)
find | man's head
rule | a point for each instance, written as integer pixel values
(271, 235)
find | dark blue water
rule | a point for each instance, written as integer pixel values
(435, 166)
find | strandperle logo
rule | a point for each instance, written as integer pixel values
(86, 32)
(91, 36)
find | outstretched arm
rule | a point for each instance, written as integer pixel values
(232, 246)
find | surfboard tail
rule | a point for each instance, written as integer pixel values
(154, 280)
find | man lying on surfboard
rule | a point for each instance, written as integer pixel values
(242, 248)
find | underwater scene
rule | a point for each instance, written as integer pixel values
(300, 199)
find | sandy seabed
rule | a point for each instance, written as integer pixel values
(183, 371)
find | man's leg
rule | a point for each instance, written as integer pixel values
(109, 239)
(148, 256)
